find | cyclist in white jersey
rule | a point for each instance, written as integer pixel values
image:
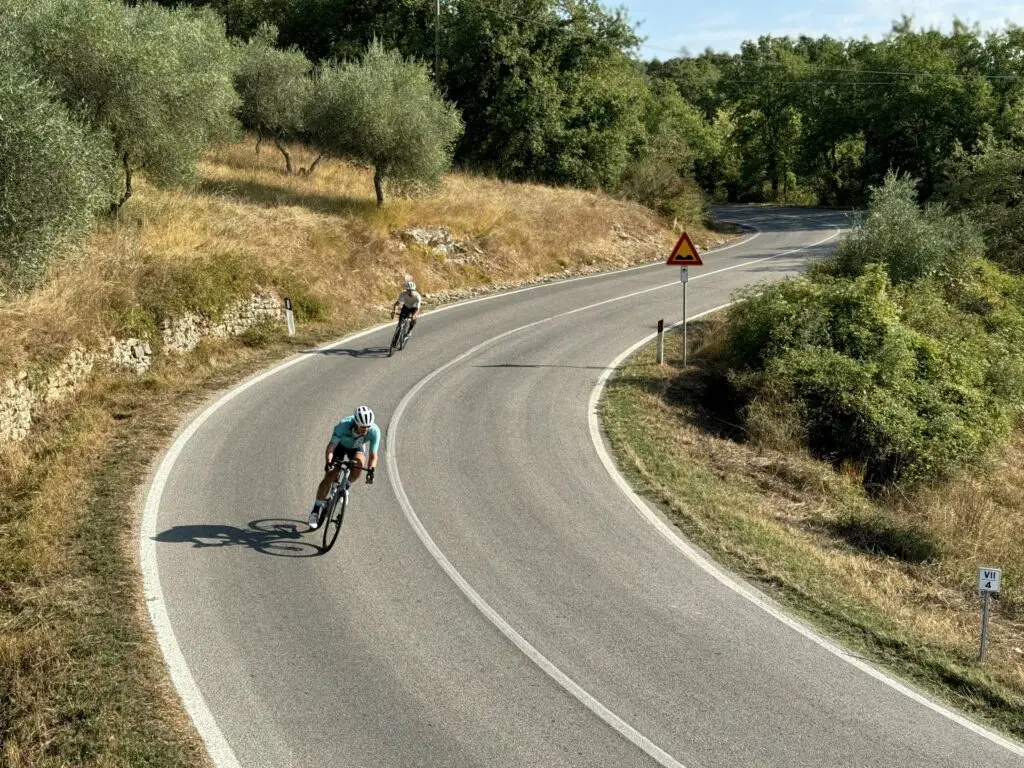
(351, 438)
(410, 301)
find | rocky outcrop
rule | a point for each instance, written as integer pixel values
(22, 396)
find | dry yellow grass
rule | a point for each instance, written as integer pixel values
(778, 517)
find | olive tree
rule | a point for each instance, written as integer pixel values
(384, 111)
(159, 82)
(54, 175)
(275, 88)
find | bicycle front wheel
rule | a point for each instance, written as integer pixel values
(332, 522)
(404, 337)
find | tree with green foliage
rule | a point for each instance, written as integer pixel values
(988, 185)
(697, 79)
(764, 83)
(548, 89)
(53, 174)
(158, 82)
(677, 137)
(275, 87)
(913, 123)
(384, 111)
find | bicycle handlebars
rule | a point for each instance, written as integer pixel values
(349, 463)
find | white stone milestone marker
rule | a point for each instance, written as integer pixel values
(989, 579)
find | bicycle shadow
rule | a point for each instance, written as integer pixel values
(270, 536)
(365, 352)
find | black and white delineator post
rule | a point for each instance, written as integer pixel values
(988, 584)
(661, 341)
(684, 255)
(289, 316)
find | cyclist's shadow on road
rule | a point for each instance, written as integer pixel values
(280, 538)
(365, 352)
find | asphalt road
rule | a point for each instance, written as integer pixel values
(495, 599)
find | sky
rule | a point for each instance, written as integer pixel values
(670, 25)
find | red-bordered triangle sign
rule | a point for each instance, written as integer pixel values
(685, 253)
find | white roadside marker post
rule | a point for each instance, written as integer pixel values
(289, 316)
(988, 584)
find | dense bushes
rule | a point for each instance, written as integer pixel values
(911, 379)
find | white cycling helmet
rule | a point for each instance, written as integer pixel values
(363, 416)
(410, 285)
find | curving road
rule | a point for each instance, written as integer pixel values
(496, 599)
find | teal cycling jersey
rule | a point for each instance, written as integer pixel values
(345, 436)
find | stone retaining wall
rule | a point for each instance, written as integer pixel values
(22, 396)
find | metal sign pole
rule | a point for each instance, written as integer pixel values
(684, 277)
(984, 626)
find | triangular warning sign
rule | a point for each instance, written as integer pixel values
(685, 253)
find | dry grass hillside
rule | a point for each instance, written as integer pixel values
(321, 239)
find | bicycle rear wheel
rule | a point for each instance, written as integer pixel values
(332, 523)
(395, 338)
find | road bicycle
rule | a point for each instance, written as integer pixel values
(337, 501)
(401, 336)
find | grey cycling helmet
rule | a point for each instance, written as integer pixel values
(363, 416)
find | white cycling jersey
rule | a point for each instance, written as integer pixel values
(410, 299)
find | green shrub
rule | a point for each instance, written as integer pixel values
(904, 382)
(912, 242)
(989, 185)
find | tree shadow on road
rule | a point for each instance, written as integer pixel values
(276, 537)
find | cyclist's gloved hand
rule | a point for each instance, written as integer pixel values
(369, 476)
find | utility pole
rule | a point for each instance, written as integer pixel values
(437, 47)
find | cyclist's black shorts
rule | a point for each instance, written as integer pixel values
(341, 452)
(405, 312)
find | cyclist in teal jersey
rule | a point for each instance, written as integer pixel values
(349, 440)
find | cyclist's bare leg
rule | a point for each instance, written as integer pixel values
(356, 470)
(325, 485)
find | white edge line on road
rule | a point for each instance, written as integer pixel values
(741, 588)
(216, 743)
